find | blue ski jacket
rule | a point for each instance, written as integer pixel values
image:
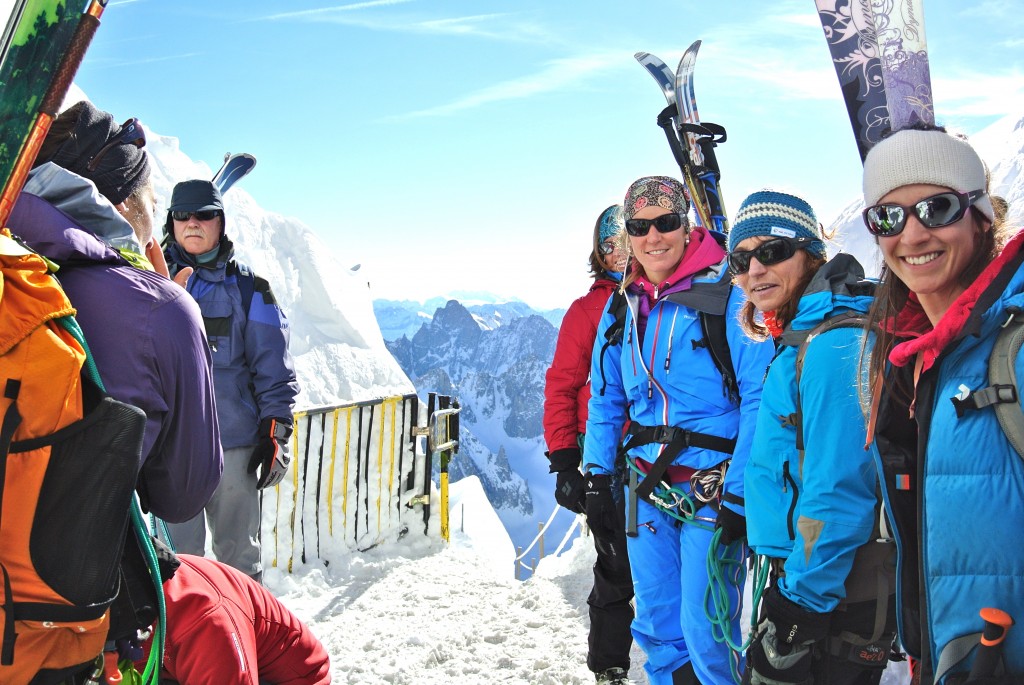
(253, 372)
(669, 379)
(814, 514)
(953, 483)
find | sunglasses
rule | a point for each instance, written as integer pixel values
(131, 133)
(889, 219)
(607, 247)
(769, 252)
(666, 223)
(202, 215)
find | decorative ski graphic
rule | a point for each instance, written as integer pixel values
(899, 28)
(235, 167)
(43, 44)
(661, 73)
(881, 59)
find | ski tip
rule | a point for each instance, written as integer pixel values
(640, 56)
(695, 46)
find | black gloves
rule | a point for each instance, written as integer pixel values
(781, 649)
(602, 516)
(569, 485)
(733, 525)
(271, 452)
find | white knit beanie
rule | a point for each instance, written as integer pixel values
(932, 157)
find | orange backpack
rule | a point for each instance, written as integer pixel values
(69, 457)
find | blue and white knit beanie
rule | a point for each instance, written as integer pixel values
(933, 157)
(774, 213)
(610, 223)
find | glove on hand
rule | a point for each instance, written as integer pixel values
(601, 512)
(569, 485)
(781, 651)
(733, 525)
(271, 452)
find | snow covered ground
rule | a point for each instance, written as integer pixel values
(419, 611)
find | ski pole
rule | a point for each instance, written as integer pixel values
(631, 509)
(997, 625)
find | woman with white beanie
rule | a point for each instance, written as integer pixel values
(953, 483)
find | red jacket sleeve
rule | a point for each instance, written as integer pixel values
(567, 381)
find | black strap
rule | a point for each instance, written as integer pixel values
(675, 439)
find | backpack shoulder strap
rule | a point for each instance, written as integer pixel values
(844, 320)
(1002, 376)
(613, 334)
(713, 328)
(246, 285)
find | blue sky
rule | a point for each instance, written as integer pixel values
(451, 145)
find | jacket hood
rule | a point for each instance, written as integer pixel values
(839, 285)
(78, 199)
(57, 236)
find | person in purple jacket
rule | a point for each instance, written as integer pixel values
(88, 206)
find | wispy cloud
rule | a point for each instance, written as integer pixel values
(555, 76)
(978, 94)
(327, 13)
(496, 26)
(110, 64)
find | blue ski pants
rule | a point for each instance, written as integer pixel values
(668, 561)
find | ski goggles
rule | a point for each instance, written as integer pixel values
(202, 215)
(666, 223)
(131, 133)
(889, 219)
(607, 247)
(774, 251)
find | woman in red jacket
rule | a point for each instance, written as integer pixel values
(566, 393)
(224, 628)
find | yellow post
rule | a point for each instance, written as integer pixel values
(445, 533)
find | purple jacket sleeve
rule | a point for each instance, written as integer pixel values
(185, 461)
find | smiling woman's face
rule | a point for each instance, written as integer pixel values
(658, 253)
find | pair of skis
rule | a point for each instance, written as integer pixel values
(692, 142)
(234, 168)
(881, 58)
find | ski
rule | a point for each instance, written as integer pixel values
(899, 29)
(668, 121)
(701, 138)
(43, 44)
(235, 167)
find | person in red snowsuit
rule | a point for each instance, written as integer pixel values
(566, 393)
(224, 628)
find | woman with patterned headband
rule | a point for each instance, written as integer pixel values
(689, 382)
(829, 615)
(952, 481)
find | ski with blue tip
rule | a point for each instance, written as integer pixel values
(235, 167)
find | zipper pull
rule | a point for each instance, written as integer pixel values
(650, 386)
(785, 476)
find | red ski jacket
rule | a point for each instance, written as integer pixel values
(223, 628)
(567, 382)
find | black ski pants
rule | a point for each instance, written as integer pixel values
(611, 611)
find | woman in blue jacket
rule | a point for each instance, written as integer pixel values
(811, 487)
(692, 420)
(952, 481)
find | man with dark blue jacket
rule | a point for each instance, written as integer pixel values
(254, 378)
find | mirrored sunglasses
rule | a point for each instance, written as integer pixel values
(202, 215)
(769, 252)
(607, 247)
(666, 223)
(889, 219)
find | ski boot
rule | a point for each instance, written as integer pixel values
(613, 676)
